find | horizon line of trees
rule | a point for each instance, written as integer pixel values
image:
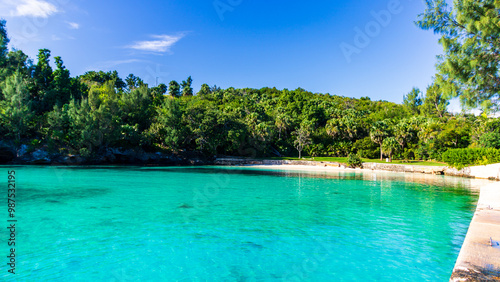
(91, 113)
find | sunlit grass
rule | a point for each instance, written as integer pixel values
(344, 160)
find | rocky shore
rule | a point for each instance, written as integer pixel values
(112, 156)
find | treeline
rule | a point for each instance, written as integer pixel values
(89, 114)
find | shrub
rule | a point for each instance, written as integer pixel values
(367, 149)
(86, 153)
(354, 160)
(460, 158)
(490, 140)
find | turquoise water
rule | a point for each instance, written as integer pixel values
(219, 224)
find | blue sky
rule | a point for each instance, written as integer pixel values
(315, 45)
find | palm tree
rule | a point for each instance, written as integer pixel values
(390, 146)
(378, 132)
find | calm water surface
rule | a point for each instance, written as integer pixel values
(238, 224)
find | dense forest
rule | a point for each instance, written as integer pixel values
(44, 106)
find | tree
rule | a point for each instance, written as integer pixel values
(158, 93)
(91, 78)
(204, 90)
(344, 125)
(15, 110)
(390, 146)
(435, 102)
(43, 71)
(412, 101)
(404, 132)
(135, 107)
(168, 129)
(4, 41)
(133, 82)
(490, 140)
(302, 138)
(470, 36)
(174, 89)
(378, 132)
(62, 87)
(187, 90)
(282, 123)
(17, 60)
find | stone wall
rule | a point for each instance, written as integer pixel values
(485, 172)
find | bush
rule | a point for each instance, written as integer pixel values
(460, 158)
(84, 152)
(490, 140)
(354, 160)
(366, 148)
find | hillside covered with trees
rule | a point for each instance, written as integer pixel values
(43, 106)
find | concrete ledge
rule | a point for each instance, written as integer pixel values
(491, 172)
(479, 258)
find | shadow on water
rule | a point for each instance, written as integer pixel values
(50, 196)
(424, 183)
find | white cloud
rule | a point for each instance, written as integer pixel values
(161, 45)
(34, 8)
(73, 25)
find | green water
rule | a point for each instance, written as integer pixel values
(219, 224)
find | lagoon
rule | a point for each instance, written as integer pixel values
(235, 224)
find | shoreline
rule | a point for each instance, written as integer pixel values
(479, 258)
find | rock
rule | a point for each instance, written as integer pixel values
(39, 154)
(39, 157)
(41, 161)
(22, 150)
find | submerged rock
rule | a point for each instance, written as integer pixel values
(185, 206)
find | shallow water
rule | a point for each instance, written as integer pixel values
(234, 224)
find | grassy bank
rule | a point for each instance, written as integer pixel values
(344, 160)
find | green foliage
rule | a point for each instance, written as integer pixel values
(470, 36)
(15, 108)
(390, 146)
(4, 41)
(302, 138)
(412, 101)
(187, 90)
(97, 111)
(490, 140)
(435, 101)
(92, 78)
(345, 125)
(354, 160)
(174, 89)
(460, 158)
(133, 82)
(379, 131)
(366, 148)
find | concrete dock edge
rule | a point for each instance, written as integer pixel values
(479, 258)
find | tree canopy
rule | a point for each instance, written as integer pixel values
(470, 36)
(42, 105)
